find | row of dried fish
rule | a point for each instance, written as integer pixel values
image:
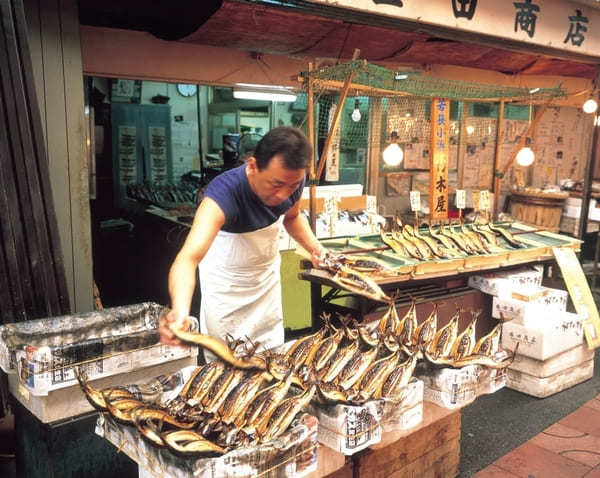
(448, 241)
(219, 408)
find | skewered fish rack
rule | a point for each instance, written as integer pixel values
(396, 272)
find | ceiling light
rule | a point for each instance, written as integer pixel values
(247, 91)
(401, 76)
(533, 90)
(590, 106)
(356, 116)
(393, 154)
(526, 156)
(470, 129)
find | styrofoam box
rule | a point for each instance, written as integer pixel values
(502, 283)
(544, 387)
(349, 428)
(70, 401)
(530, 314)
(572, 208)
(554, 365)
(40, 371)
(456, 388)
(561, 331)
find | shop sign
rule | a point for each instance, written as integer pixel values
(580, 293)
(438, 163)
(158, 154)
(332, 164)
(559, 24)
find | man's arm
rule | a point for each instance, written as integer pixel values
(297, 227)
(208, 220)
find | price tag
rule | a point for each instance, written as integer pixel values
(476, 203)
(372, 204)
(484, 200)
(330, 205)
(415, 201)
(461, 198)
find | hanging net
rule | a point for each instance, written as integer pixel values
(384, 103)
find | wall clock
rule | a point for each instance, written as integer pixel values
(187, 89)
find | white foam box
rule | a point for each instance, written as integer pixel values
(455, 388)
(41, 370)
(530, 313)
(561, 331)
(553, 365)
(542, 387)
(502, 283)
(350, 428)
(70, 401)
(572, 208)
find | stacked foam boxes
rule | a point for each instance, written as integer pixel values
(552, 355)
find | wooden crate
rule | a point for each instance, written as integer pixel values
(431, 450)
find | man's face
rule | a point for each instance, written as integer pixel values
(275, 183)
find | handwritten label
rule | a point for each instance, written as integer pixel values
(484, 200)
(461, 198)
(415, 201)
(372, 204)
(330, 205)
(476, 202)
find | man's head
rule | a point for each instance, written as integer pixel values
(279, 164)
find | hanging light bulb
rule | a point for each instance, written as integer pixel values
(526, 156)
(356, 116)
(590, 106)
(393, 154)
(470, 129)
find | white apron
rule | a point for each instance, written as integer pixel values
(240, 284)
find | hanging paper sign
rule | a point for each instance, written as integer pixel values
(461, 198)
(332, 164)
(580, 293)
(330, 205)
(476, 201)
(484, 200)
(372, 204)
(127, 155)
(415, 201)
(438, 160)
(158, 154)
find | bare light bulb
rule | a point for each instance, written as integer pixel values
(525, 156)
(590, 106)
(470, 129)
(356, 116)
(393, 155)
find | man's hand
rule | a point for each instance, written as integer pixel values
(168, 320)
(317, 257)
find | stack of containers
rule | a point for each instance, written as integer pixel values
(551, 354)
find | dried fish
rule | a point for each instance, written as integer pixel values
(444, 338)
(356, 367)
(337, 363)
(425, 331)
(375, 376)
(506, 235)
(301, 348)
(187, 442)
(465, 342)
(399, 378)
(489, 344)
(285, 413)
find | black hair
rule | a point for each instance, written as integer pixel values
(290, 143)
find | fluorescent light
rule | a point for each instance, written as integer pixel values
(533, 90)
(401, 76)
(247, 91)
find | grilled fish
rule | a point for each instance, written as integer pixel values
(356, 367)
(426, 330)
(465, 342)
(393, 386)
(337, 363)
(301, 348)
(285, 413)
(489, 344)
(444, 338)
(187, 442)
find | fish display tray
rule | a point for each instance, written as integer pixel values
(553, 365)
(351, 428)
(68, 402)
(559, 332)
(44, 353)
(455, 388)
(539, 246)
(546, 386)
(293, 454)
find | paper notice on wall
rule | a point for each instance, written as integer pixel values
(580, 293)
(127, 145)
(158, 154)
(332, 165)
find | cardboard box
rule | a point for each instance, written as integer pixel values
(533, 313)
(570, 225)
(454, 388)
(561, 331)
(67, 402)
(351, 428)
(546, 386)
(553, 365)
(503, 283)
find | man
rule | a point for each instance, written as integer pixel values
(235, 240)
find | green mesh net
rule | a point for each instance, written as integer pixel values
(382, 103)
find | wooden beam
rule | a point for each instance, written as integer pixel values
(498, 158)
(374, 146)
